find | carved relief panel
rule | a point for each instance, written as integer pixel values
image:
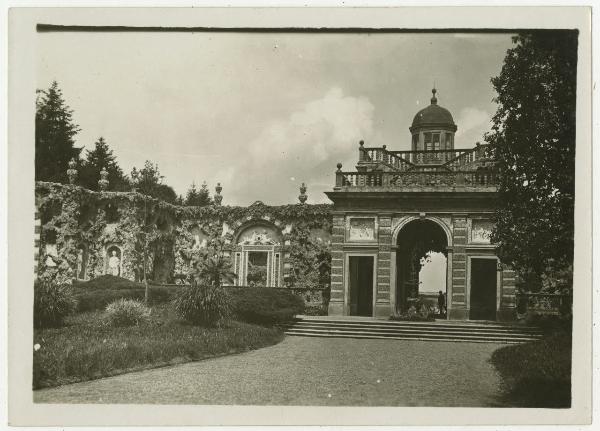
(361, 229)
(481, 230)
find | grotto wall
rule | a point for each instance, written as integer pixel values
(85, 234)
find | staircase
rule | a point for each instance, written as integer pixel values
(442, 330)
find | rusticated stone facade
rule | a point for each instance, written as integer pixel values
(399, 205)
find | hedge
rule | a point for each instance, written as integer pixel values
(261, 305)
(97, 293)
(265, 305)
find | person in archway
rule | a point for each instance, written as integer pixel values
(442, 303)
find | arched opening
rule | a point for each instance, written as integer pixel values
(421, 263)
(113, 261)
(257, 255)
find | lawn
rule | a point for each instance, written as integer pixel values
(537, 374)
(86, 348)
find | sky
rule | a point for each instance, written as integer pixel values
(262, 113)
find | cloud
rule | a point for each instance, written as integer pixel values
(472, 124)
(304, 147)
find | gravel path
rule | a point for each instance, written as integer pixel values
(310, 371)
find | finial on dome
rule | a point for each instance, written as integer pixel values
(434, 99)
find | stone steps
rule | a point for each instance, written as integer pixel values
(477, 332)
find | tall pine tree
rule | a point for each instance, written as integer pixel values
(97, 159)
(54, 133)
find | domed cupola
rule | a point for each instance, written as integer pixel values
(433, 128)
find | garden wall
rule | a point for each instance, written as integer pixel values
(85, 234)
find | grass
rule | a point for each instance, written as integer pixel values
(537, 374)
(87, 348)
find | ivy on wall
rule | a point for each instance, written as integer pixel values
(159, 236)
(309, 258)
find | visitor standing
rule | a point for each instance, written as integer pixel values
(442, 303)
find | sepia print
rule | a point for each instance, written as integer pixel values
(304, 217)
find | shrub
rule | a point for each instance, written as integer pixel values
(550, 323)
(419, 311)
(127, 312)
(316, 310)
(412, 317)
(202, 305)
(536, 374)
(266, 305)
(108, 282)
(91, 299)
(51, 304)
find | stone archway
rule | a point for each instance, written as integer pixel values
(257, 254)
(415, 239)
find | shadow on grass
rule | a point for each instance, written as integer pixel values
(536, 374)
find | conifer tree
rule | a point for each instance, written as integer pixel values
(97, 159)
(198, 198)
(54, 135)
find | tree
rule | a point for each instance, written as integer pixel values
(54, 133)
(97, 159)
(533, 142)
(198, 198)
(213, 266)
(148, 181)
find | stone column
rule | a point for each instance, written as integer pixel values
(457, 300)
(384, 235)
(338, 286)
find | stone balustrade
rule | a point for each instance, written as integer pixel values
(419, 160)
(481, 178)
(544, 303)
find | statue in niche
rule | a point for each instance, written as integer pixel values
(114, 264)
(80, 269)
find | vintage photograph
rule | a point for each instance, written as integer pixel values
(304, 217)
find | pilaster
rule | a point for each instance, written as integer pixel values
(336, 301)
(457, 290)
(382, 303)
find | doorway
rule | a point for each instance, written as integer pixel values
(256, 275)
(483, 289)
(361, 285)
